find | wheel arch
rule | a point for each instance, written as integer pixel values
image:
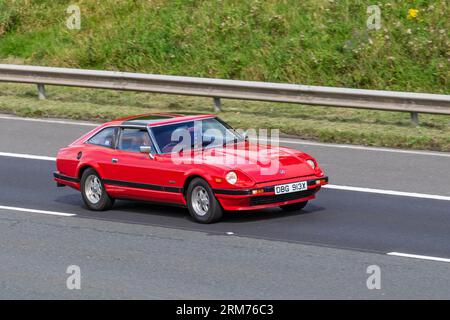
(207, 175)
(85, 167)
(189, 180)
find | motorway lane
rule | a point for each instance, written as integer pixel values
(271, 254)
(421, 173)
(38, 138)
(341, 219)
(131, 261)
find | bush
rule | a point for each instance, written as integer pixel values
(9, 16)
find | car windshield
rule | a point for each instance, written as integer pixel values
(203, 133)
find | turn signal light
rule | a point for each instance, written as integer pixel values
(257, 191)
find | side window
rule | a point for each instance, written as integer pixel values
(163, 135)
(104, 138)
(132, 139)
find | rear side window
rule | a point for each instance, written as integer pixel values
(105, 138)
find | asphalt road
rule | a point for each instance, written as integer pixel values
(141, 250)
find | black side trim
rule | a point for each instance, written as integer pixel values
(143, 186)
(66, 178)
(232, 192)
(173, 189)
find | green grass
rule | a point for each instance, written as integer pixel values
(373, 128)
(316, 42)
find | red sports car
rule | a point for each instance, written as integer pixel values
(195, 161)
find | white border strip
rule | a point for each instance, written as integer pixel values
(415, 256)
(388, 192)
(52, 213)
(26, 156)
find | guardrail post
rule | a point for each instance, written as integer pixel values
(415, 118)
(217, 104)
(41, 91)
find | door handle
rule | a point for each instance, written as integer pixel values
(115, 160)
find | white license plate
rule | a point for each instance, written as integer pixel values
(291, 187)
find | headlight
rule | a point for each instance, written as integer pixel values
(311, 163)
(231, 177)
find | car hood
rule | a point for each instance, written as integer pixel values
(262, 163)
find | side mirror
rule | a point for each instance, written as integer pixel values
(148, 150)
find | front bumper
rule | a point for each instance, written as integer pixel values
(263, 195)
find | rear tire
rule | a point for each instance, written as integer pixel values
(93, 191)
(202, 204)
(294, 206)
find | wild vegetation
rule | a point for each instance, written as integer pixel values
(316, 42)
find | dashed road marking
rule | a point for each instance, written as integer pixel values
(415, 256)
(52, 213)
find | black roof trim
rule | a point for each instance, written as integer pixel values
(147, 119)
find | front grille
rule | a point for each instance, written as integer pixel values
(259, 200)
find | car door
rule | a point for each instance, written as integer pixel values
(139, 175)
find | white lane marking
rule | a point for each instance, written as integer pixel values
(26, 156)
(415, 256)
(388, 192)
(52, 213)
(329, 186)
(344, 146)
(88, 124)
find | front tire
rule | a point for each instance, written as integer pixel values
(93, 191)
(202, 204)
(294, 206)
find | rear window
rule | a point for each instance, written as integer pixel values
(105, 138)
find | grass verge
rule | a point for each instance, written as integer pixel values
(338, 125)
